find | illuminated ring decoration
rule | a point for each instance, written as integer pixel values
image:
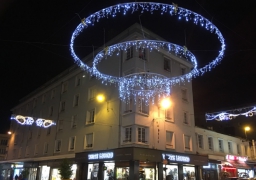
(173, 10)
(145, 85)
(26, 120)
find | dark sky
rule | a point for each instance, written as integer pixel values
(35, 36)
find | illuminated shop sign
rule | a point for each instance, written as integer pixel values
(178, 158)
(105, 155)
(236, 158)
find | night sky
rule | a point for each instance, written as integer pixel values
(35, 36)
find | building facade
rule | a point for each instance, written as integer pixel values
(130, 139)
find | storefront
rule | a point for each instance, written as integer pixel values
(235, 166)
(213, 169)
(138, 164)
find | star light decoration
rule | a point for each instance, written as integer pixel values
(144, 85)
(142, 7)
(26, 120)
(230, 114)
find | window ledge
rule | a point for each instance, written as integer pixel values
(169, 121)
(143, 114)
(90, 124)
(141, 143)
(169, 146)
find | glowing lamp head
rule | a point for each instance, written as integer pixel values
(247, 128)
(100, 98)
(166, 103)
(9, 132)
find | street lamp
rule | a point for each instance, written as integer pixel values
(9, 132)
(166, 103)
(247, 128)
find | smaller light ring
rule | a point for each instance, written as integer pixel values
(147, 44)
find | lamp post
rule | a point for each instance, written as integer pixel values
(247, 128)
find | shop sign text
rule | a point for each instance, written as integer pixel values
(236, 158)
(173, 157)
(105, 155)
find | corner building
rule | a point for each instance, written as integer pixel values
(131, 140)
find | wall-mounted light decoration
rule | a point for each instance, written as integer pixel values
(26, 120)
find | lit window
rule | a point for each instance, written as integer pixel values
(90, 117)
(142, 53)
(57, 145)
(187, 143)
(200, 141)
(129, 53)
(72, 143)
(170, 139)
(167, 64)
(210, 143)
(142, 135)
(73, 121)
(76, 100)
(128, 135)
(88, 141)
(221, 149)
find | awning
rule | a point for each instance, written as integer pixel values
(239, 164)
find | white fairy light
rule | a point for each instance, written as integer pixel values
(26, 120)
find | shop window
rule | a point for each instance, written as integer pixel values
(142, 135)
(170, 172)
(90, 116)
(142, 53)
(185, 118)
(128, 135)
(167, 64)
(184, 94)
(230, 149)
(45, 148)
(169, 114)
(188, 172)
(147, 173)
(122, 173)
(60, 125)
(78, 81)
(88, 141)
(92, 171)
(51, 111)
(62, 106)
(91, 93)
(170, 140)
(128, 106)
(73, 121)
(36, 150)
(64, 87)
(221, 148)
(200, 141)
(109, 172)
(210, 143)
(76, 100)
(187, 143)
(57, 146)
(142, 106)
(129, 53)
(71, 146)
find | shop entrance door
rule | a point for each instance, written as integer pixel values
(210, 175)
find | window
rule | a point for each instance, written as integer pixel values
(92, 94)
(182, 70)
(245, 150)
(48, 131)
(78, 81)
(221, 149)
(36, 149)
(27, 151)
(128, 106)
(62, 106)
(128, 135)
(90, 116)
(88, 141)
(20, 152)
(210, 143)
(185, 117)
(73, 121)
(169, 114)
(200, 141)
(76, 100)
(167, 64)
(29, 134)
(60, 125)
(184, 95)
(57, 145)
(238, 149)
(170, 139)
(53, 94)
(230, 150)
(51, 111)
(71, 143)
(187, 143)
(45, 148)
(129, 53)
(142, 53)
(142, 107)
(64, 87)
(142, 135)
(43, 98)
(4, 142)
(34, 102)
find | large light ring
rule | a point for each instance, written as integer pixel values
(131, 7)
(145, 44)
